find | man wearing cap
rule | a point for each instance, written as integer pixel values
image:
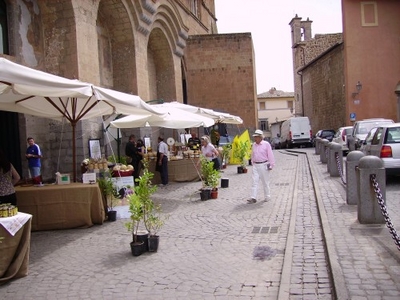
(263, 161)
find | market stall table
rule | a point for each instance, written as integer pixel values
(181, 170)
(15, 246)
(61, 206)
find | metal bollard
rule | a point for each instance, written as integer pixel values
(369, 211)
(352, 161)
(323, 147)
(317, 145)
(335, 150)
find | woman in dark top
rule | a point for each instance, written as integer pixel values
(8, 178)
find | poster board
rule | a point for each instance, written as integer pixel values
(124, 185)
(94, 149)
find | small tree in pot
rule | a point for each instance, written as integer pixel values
(154, 220)
(242, 153)
(109, 195)
(140, 205)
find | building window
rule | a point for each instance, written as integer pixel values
(3, 28)
(369, 13)
(194, 7)
(262, 105)
(264, 125)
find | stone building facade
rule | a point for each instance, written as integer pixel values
(147, 48)
(307, 49)
(341, 78)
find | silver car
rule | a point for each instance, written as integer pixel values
(341, 137)
(385, 143)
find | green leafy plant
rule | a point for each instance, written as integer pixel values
(242, 152)
(115, 159)
(210, 176)
(226, 152)
(154, 219)
(108, 192)
(141, 206)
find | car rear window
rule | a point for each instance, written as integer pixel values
(393, 136)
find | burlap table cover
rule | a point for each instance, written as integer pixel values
(62, 206)
(182, 170)
(14, 257)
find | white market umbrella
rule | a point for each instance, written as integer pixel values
(172, 118)
(219, 117)
(29, 91)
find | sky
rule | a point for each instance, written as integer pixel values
(268, 21)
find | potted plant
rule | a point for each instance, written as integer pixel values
(141, 206)
(213, 181)
(154, 220)
(242, 153)
(226, 153)
(210, 178)
(109, 195)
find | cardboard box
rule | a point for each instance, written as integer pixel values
(63, 179)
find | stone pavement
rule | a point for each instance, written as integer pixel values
(305, 243)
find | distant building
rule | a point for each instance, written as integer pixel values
(274, 107)
(160, 50)
(340, 78)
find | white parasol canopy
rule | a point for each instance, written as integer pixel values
(29, 91)
(173, 118)
(219, 117)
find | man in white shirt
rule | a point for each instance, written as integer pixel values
(262, 159)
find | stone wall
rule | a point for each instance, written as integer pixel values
(221, 74)
(323, 91)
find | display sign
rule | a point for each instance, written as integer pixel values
(352, 116)
(123, 185)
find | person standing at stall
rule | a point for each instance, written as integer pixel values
(33, 154)
(8, 178)
(162, 160)
(194, 142)
(209, 151)
(139, 157)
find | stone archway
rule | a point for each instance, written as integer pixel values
(160, 67)
(116, 47)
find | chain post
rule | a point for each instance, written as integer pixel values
(339, 166)
(385, 214)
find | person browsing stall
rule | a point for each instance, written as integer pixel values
(33, 154)
(263, 162)
(8, 179)
(209, 151)
(162, 160)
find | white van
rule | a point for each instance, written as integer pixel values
(296, 132)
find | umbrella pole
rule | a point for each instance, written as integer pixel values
(73, 151)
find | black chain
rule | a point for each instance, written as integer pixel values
(385, 214)
(339, 166)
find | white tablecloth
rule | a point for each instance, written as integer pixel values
(15, 223)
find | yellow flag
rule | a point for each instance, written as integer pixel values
(241, 146)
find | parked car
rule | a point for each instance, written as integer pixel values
(366, 144)
(361, 129)
(385, 143)
(225, 139)
(275, 143)
(325, 134)
(296, 132)
(340, 137)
